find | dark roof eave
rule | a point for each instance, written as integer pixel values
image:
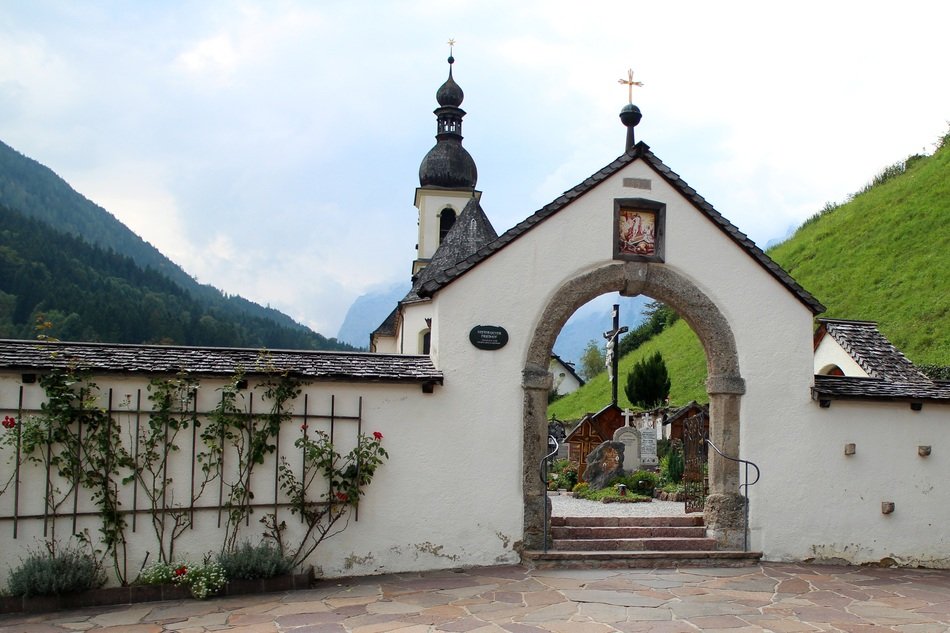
(876, 389)
(818, 395)
(308, 365)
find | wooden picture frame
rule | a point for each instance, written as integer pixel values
(639, 229)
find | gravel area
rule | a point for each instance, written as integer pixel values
(568, 506)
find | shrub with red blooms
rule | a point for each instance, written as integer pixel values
(348, 476)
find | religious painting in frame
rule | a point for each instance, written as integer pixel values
(639, 229)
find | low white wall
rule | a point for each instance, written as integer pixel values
(417, 513)
(815, 503)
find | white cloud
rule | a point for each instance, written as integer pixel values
(271, 149)
(213, 59)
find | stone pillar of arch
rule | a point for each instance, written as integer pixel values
(725, 508)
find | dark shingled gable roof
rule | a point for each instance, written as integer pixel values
(28, 356)
(891, 375)
(870, 349)
(472, 230)
(860, 388)
(640, 152)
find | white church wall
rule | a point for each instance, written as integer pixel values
(386, 345)
(824, 505)
(829, 353)
(416, 513)
(414, 324)
(772, 328)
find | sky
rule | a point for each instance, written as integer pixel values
(272, 148)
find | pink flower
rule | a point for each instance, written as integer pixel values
(8, 422)
(377, 435)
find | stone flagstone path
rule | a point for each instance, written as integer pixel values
(782, 598)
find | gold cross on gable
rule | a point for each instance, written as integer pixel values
(630, 83)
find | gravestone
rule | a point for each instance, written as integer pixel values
(648, 457)
(629, 436)
(603, 464)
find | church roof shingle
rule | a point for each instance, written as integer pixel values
(891, 375)
(472, 231)
(642, 152)
(18, 355)
(861, 388)
(870, 349)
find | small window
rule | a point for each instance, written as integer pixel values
(831, 370)
(425, 341)
(446, 222)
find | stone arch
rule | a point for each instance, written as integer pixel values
(724, 383)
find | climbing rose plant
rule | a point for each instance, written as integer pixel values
(347, 475)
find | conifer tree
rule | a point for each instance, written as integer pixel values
(648, 383)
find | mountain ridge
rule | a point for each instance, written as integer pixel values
(33, 191)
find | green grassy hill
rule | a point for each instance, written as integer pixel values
(883, 256)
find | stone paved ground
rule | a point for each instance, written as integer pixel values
(770, 597)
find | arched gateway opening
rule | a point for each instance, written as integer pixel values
(724, 384)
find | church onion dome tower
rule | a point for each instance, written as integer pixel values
(448, 164)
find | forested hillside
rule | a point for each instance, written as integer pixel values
(89, 294)
(93, 279)
(33, 190)
(883, 256)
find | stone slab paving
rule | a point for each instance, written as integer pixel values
(783, 598)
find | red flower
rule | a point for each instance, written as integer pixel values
(343, 497)
(377, 435)
(8, 422)
(181, 571)
(303, 427)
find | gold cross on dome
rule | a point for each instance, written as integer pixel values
(451, 44)
(630, 83)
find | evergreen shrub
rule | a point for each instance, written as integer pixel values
(641, 482)
(251, 562)
(672, 466)
(562, 475)
(56, 571)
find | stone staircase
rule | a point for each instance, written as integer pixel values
(653, 542)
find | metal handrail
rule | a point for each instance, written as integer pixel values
(544, 486)
(744, 487)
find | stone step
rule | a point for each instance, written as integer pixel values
(581, 532)
(647, 559)
(670, 544)
(669, 521)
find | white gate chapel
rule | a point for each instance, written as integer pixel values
(458, 381)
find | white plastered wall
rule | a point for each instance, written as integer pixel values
(419, 512)
(826, 506)
(772, 328)
(829, 353)
(564, 381)
(782, 429)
